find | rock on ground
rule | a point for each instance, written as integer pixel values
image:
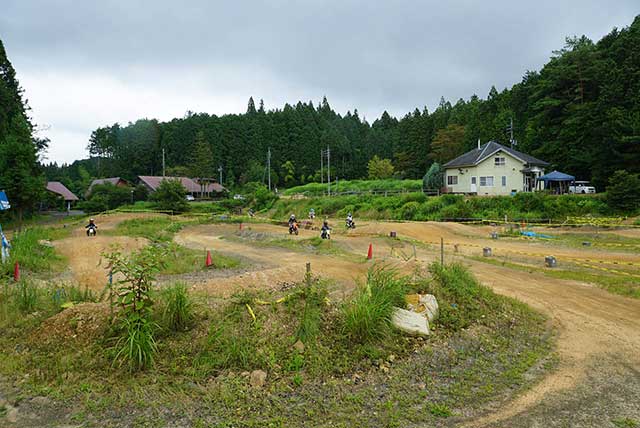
(410, 322)
(258, 378)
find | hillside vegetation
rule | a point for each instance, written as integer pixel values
(356, 186)
(417, 206)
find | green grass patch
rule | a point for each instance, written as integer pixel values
(159, 229)
(30, 250)
(390, 185)
(387, 380)
(625, 423)
(178, 259)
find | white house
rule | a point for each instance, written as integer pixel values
(493, 169)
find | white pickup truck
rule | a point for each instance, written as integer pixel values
(581, 187)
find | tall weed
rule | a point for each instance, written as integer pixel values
(177, 313)
(368, 315)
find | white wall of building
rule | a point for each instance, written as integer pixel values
(506, 178)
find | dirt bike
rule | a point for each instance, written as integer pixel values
(325, 234)
(92, 231)
(293, 228)
(350, 224)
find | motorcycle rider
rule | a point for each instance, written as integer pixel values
(91, 225)
(312, 214)
(325, 231)
(292, 221)
(349, 220)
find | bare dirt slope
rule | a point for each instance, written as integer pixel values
(84, 253)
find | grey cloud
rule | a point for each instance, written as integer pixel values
(362, 54)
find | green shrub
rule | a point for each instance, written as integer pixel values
(409, 210)
(136, 346)
(368, 315)
(623, 192)
(170, 196)
(177, 314)
(105, 197)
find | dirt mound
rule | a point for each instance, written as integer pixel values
(82, 323)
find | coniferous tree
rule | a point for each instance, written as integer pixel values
(20, 175)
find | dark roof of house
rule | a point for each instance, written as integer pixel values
(475, 156)
(99, 181)
(61, 189)
(189, 184)
(112, 180)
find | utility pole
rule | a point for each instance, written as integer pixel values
(269, 166)
(321, 166)
(510, 129)
(163, 166)
(220, 171)
(328, 171)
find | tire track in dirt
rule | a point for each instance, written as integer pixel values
(270, 265)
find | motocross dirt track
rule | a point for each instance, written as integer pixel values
(597, 331)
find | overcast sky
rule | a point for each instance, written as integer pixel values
(85, 64)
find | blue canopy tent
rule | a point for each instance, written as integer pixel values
(4, 202)
(557, 181)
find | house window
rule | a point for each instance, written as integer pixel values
(452, 179)
(486, 181)
(499, 161)
(504, 181)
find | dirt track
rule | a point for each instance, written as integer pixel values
(592, 324)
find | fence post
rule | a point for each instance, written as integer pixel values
(307, 276)
(442, 252)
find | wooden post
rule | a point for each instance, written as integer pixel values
(307, 276)
(442, 252)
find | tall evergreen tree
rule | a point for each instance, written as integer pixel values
(20, 175)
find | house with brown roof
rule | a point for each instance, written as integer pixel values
(61, 191)
(116, 181)
(192, 187)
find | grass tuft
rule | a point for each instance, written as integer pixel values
(136, 347)
(368, 315)
(177, 314)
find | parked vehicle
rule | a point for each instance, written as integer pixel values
(581, 187)
(190, 198)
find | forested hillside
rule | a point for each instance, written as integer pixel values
(581, 112)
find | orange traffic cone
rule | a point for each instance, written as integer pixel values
(370, 253)
(208, 262)
(16, 272)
